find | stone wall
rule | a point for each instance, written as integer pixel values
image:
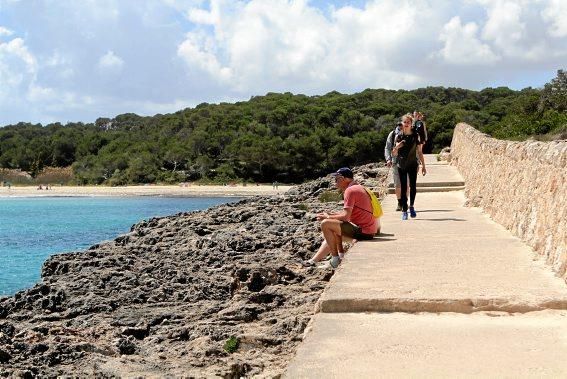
(521, 185)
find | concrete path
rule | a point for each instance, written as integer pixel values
(448, 294)
(440, 177)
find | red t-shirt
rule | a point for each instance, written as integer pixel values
(358, 200)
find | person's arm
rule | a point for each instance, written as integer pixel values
(388, 149)
(421, 159)
(397, 147)
(342, 216)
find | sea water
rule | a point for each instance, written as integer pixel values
(32, 229)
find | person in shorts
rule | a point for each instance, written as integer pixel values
(355, 221)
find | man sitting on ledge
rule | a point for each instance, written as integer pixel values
(356, 221)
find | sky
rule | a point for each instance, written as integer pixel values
(78, 60)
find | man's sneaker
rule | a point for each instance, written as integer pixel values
(330, 264)
(335, 261)
(325, 265)
(412, 212)
(308, 263)
(404, 215)
(398, 208)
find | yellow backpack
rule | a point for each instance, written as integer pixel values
(376, 207)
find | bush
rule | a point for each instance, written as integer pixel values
(231, 344)
(59, 175)
(15, 177)
(330, 196)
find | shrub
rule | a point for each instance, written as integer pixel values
(231, 344)
(59, 175)
(303, 207)
(330, 196)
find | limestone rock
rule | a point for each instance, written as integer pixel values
(162, 299)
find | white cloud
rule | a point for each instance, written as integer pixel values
(462, 46)
(18, 67)
(197, 50)
(201, 16)
(171, 53)
(5, 32)
(280, 45)
(110, 61)
(504, 25)
(555, 13)
(17, 48)
(38, 93)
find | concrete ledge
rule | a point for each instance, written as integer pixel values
(447, 345)
(465, 306)
(448, 259)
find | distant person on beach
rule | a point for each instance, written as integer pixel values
(407, 149)
(355, 221)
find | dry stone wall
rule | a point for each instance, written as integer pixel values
(521, 185)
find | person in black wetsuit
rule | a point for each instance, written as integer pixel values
(408, 148)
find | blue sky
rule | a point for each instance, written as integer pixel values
(77, 60)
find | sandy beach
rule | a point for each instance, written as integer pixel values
(145, 190)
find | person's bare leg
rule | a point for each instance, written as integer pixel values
(330, 229)
(340, 247)
(322, 252)
(398, 192)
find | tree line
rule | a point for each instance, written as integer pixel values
(283, 137)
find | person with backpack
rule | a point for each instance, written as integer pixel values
(391, 162)
(419, 125)
(356, 221)
(407, 149)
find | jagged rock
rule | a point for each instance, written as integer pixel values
(4, 356)
(169, 293)
(126, 346)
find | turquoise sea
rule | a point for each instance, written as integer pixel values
(32, 229)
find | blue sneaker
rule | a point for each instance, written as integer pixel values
(404, 215)
(412, 212)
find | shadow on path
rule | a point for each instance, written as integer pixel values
(440, 219)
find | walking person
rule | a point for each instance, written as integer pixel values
(391, 161)
(419, 125)
(408, 149)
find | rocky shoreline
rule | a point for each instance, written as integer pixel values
(211, 293)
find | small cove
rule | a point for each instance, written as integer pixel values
(32, 229)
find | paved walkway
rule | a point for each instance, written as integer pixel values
(448, 294)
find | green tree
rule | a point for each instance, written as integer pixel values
(554, 94)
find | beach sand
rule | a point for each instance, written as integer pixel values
(145, 190)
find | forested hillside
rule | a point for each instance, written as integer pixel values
(284, 137)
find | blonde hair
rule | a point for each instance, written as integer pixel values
(407, 115)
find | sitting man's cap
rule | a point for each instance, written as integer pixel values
(345, 172)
